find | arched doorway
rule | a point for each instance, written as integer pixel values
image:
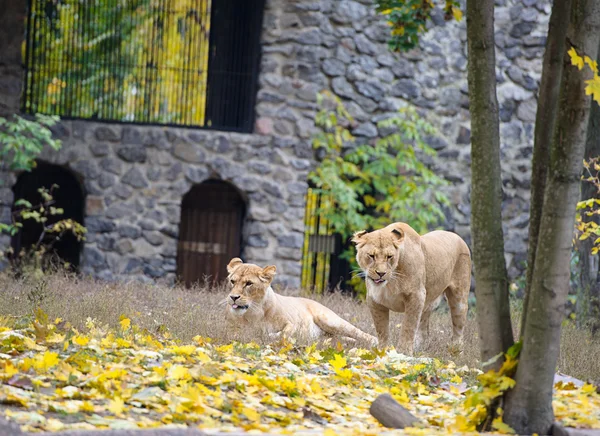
(210, 232)
(68, 195)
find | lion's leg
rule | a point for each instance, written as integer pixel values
(423, 334)
(381, 319)
(335, 325)
(459, 305)
(413, 309)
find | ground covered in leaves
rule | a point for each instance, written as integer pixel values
(54, 377)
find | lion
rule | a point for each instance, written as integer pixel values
(405, 272)
(253, 302)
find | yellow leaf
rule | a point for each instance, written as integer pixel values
(457, 13)
(588, 389)
(125, 323)
(116, 406)
(203, 357)
(576, 60)
(179, 372)
(592, 64)
(87, 407)
(185, 350)
(503, 428)
(338, 362)
(251, 414)
(593, 88)
(80, 340)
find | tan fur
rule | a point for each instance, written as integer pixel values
(281, 315)
(415, 272)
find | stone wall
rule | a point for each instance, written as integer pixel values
(341, 46)
(135, 177)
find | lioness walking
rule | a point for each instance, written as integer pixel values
(252, 301)
(405, 272)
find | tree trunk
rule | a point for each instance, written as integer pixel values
(544, 127)
(528, 406)
(491, 280)
(588, 289)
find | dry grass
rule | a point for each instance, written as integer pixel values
(190, 312)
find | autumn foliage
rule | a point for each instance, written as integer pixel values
(55, 377)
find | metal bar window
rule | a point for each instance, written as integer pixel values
(322, 268)
(170, 62)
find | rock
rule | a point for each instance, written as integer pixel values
(435, 142)
(367, 130)
(153, 237)
(272, 189)
(123, 246)
(106, 180)
(509, 90)
(464, 135)
(403, 68)
(257, 241)
(99, 149)
(87, 168)
(132, 153)
(405, 88)
(96, 224)
(349, 12)
(291, 240)
(135, 178)
(92, 257)
(154, 269)
(122, 191)
(111, 165)
(259, 167)
(365, 46)
(129, 231)
(153, 173)
(309, 37)
(196, 174)
(527, 110)
(342, 87)
(188, 152)
(107, 134)
(264, 126)
(333, 67)
(371, 89)
(131, 135)
(355, 72)
(521, 29)
(297, 188)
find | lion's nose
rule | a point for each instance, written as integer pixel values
(380, 274)
(234, 297)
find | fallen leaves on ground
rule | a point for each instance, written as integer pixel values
(54, 378)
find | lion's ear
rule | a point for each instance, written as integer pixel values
(268, 273)
(399, 235)
(357, 237)
(233, 264)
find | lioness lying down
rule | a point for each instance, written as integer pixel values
(405, 272)
(253, 302)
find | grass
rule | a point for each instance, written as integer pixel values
(185, 313)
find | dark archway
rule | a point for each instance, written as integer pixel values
(210, 231)
(68, 195)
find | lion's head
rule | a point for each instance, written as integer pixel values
(377, 253)
(249, 284)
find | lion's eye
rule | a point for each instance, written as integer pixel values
(390, 257)
(372, 256)
(248, 284)
(232, 282)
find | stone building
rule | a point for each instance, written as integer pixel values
(140, 186)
